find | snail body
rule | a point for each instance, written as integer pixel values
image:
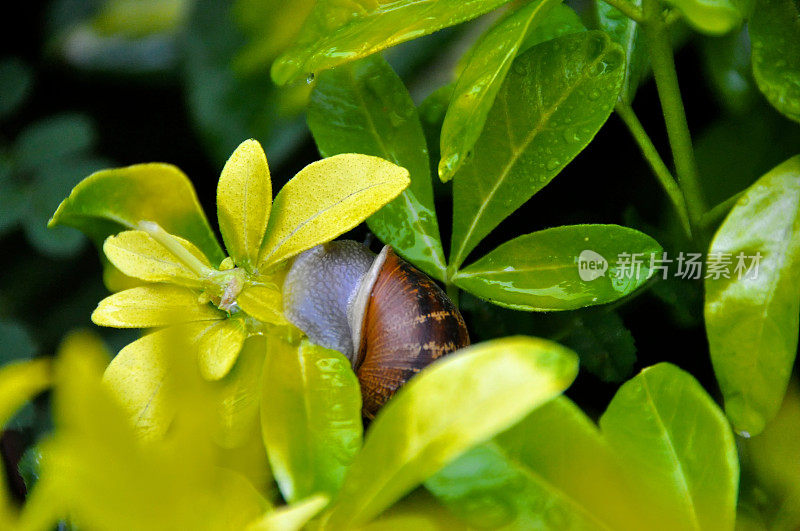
(387, 317)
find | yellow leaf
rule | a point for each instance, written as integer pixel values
(327, 198)
(112, 478)
(239, 395)
(265, 303)
(19, 382)
(136, 254)
(219, 346)
(290, 517)
(152, 306)
(137, 376)
(244, 199)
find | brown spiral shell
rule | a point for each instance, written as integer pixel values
(409, 322)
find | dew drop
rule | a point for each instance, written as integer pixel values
(310, 78)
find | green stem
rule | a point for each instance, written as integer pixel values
(174, 246)
(660, 169)
(713, 216)
(663, 63)
(629, 10)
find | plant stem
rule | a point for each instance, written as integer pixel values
(711, 217)
(629, 10)
(660, 169)
(663, 63)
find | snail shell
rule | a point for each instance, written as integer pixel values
(389, 319)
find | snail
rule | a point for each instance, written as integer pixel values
(387, 317)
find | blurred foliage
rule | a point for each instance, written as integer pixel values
(198, 70)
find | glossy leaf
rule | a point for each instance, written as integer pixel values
(310, 417)
(553, 470)
(562, 268)
(291, 517)
(713, 17)
(752, 321)
(337, 31)
(480, 80)
(410, 440)
(625, 32)
(244, 199)
(136, 254)
(363, 107)
(558, 21)
(775, 36)
(678, 444)
(152, 306)
(327, 198)
(111, 200)
(555, 98)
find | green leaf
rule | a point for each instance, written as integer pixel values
(480, 81)
(727, 64)
(410, 440)
(363, 107)
(553, 470)
(244, 199)
(678, 444)
(52, 140)
(775, 37)
(310, 417)
(339, 31)
(229, 103)
(713, 17)
(16, 341)
(552, 103)
(558, 21)
(752, 321)
(431, 112)
(326, 199)
(111, 200)
(603, 343)
(770, 460)
(16, 80)
(563, 268)
(625, 32)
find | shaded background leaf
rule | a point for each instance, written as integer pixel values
(363, 107)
